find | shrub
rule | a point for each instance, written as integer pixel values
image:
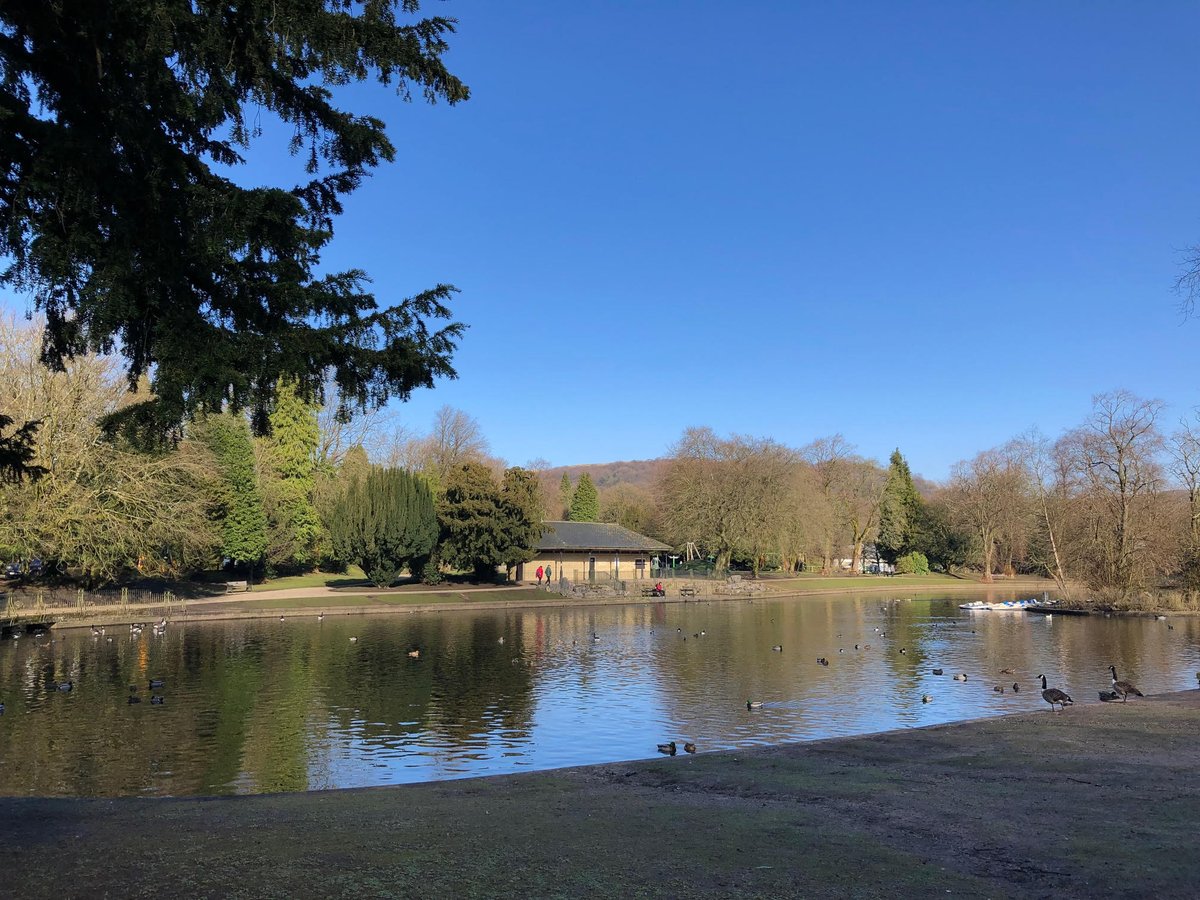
(914, 563)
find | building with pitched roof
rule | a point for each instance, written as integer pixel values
(590, 551)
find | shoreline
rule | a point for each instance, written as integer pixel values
(1033, 804)
(195, 611)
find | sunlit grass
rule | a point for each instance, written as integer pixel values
(353, 577)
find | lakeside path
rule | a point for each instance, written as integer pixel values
(1101, 800)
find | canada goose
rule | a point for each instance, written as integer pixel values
(1109, 696)
(903, 650)
(823, 661)
(157, 700)
(754, 704)
(1124, 688)
(281, 619)
(856, 646)
(132, 699)
(1016, 688)
(938, 671)
(1006, 671)
(961, 676)
(66, 686)
(925, 698)
(689, 747)
(156, 683)
(667, 748)
(999, 689)
(501, 641)
(414, 654)
(778, 648)
(1054, 695)
(320, 617)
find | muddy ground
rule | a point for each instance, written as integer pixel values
(1102, 800)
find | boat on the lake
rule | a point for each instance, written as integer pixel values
(1007, 605)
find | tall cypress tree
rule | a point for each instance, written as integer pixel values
(290, 456)
(900, 511)
(565, 492)
(383, 522)
(239, 503)
(585, 502)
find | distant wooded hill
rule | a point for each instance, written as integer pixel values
(638, 473)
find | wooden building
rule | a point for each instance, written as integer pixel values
(593, 551)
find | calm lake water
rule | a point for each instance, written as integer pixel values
(258, 706)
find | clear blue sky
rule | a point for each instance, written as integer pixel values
(923, 225)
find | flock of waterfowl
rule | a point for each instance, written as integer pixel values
(100, 631)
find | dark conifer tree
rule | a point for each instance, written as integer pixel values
(585, 502)
(117, 215)
(899, 513)
(384, 522)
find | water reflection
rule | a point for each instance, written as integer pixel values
(273, 706)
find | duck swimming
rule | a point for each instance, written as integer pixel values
(754, 704)
(669, 749)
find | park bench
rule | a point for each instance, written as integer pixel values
(232, 587)
(687, 592)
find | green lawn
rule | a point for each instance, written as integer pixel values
(354, 577)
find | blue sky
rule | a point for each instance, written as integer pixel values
(923, 225)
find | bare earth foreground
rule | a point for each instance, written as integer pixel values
(1100, 800)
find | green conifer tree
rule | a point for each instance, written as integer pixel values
(384, 521)
(900, 511)
(565, 492)
(585, 502)
(290, 454)
(522, 496)
(239, 506)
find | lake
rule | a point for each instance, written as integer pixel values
(264, 705)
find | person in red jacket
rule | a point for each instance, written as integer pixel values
(539, 574)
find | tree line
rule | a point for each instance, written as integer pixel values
(303, 495)
(1112, 504)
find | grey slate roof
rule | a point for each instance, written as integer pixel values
(595, 536)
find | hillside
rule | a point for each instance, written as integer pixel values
(638, 473)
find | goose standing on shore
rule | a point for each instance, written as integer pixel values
(1054, 695)
(1124, 688)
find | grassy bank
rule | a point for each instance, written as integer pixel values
(1032, 805)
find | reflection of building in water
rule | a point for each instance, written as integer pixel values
(591, 551)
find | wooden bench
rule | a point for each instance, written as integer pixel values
(232, 587)
(687, 592)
